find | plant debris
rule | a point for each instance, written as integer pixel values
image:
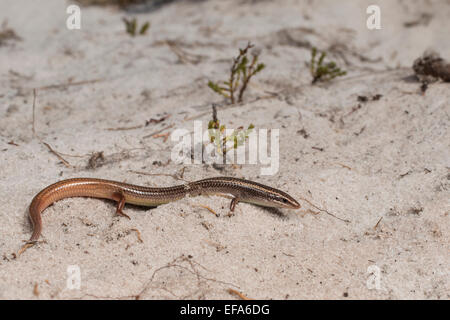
(7, 34)
(372, 98)
(430, 67)
(120, 3)
(424, 19)
(96, 160)
(152, 120)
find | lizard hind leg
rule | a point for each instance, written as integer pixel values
(120, 198)
(233, 204)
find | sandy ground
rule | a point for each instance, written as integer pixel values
(383, 164)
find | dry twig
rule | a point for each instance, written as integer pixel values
(65, 162)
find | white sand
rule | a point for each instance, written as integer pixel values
(387, 160)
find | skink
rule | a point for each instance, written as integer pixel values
(239, 189)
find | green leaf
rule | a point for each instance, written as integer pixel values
(144, 28)
(322, 56)
(259, 67)
(215, 87)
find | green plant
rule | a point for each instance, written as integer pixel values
(217, 134)
(323, 72)
(131, 27)
(242, 70)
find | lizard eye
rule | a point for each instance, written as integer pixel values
(282, 200)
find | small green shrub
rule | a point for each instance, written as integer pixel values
(323, 72)
(242, 70)
(217, 135)
(131, 27)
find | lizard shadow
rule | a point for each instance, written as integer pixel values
(275, 212)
